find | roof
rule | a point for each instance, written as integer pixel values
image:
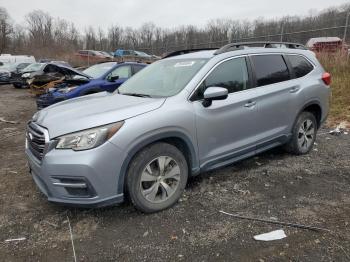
(199, 54)
(313, 41)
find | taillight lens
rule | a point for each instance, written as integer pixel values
(327, 79)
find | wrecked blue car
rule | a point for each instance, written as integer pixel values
(97, 78)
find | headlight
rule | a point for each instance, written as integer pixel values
(67, 89)
(26, 75)
(88, 139)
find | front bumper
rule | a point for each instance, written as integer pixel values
(5, 79)
(62, 174)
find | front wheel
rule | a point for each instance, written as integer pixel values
(303, 134)
(157, 177)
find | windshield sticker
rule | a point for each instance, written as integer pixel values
(186, 63)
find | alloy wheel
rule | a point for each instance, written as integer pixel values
(306, 135)
(160, 179)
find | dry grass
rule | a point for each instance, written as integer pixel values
(339, 67)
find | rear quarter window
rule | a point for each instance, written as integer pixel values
(270, 69)
(300, 65)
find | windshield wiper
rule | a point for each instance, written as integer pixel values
(135, 94)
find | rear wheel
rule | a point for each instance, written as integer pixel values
(157, 177)
(15, 85)
(303, 134)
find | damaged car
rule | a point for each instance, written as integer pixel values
(44, 72)
(8, 71)
(97, 78)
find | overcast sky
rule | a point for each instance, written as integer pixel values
(165, 13)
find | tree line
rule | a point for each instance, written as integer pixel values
(43, 35)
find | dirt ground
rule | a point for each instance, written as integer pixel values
(312, 190)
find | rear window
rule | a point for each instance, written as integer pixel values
(300, 65)
(270, 69)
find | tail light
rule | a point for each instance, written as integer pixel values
(327, 79)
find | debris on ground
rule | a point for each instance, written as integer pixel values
(15, 239)
(273, 235)
(2, 119)
(339, 129)
(276, 222)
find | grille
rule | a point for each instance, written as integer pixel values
(36, 140)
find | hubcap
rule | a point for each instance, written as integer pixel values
(306, 135)
(160, 179)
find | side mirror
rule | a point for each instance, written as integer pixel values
(113, 78)
(214, 93)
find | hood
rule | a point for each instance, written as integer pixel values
(93, 110)
(71, 71)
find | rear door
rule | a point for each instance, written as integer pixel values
(275, 90)
(137, 68)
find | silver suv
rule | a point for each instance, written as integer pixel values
(191, 112)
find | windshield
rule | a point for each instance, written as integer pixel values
(163, 78)
(98, 70)
(34, 67)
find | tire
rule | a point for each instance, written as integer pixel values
(303, 141)
(150, 189)
(17, 86)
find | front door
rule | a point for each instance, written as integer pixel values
(226, 129)
(122, 72)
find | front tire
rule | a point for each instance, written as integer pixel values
(157, 177)
(303, 134)
(17, 86)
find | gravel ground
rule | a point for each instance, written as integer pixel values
(312, 190)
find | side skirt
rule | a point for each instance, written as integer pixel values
(244, 153)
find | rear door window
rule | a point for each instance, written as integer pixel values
(270, 69)
(137, 68)
(300, 65)
(232, 74)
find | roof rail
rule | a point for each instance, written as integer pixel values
(186, 51)
(264, 44)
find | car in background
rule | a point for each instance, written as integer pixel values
(102, 77)
(9, 59)
(93, 56)
(122, 52)
(106, 54)
(21, 79)
(7, 71)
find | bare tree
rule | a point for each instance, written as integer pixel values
(5, 29)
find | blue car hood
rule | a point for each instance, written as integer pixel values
(91, 111)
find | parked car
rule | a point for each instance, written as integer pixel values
(102, 77)
(106, 54)
(178, 117)
(121, 53)
(53, 75)
(8, 71)
(9, 59)
(20, 80)
(26, 76)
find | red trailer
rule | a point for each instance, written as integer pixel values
(326, 44)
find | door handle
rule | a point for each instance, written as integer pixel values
(250, 104)
(294, 89)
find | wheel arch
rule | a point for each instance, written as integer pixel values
(177, 139)
(315, 108)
